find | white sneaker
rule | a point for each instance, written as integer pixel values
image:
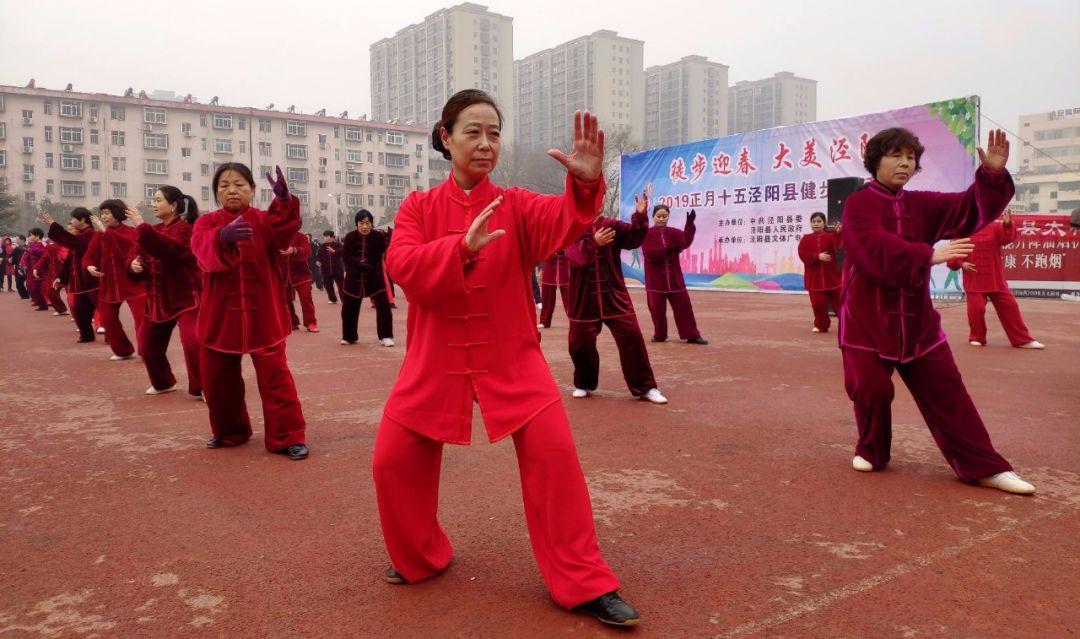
(539, 325)
(58, 313)
(120, 358)
(1033, 345)
(386, 341)
(539, 306)
(1070, 297)
(101, 330)
(815, 330)
(975, 343)
(346, 342)
(1009, 481)
(580, 392)
(331, 302)
(154, 391)
(861, 465)
(654, 396)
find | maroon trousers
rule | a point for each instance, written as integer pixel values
(1008, 311)
(329, 283)
(36, 288)
(939, 392)
(307, 304)
(54, 297)
(820, 302)
(223, 389)
(680, 308)
(154, 342)
(636, 368)
(547, 302)
(109, 314)
(558, 512)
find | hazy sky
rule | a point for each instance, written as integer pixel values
(1021, 57)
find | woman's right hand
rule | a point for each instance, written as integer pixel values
(477, 237)
(93, 270)
(956, 249)
(136, 265)
(824, 257)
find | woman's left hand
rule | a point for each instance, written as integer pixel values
(586, 159)
(997, 151)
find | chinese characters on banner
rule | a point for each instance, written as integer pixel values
(754, 192)
(1044, 259)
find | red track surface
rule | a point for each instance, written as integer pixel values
(731, 512)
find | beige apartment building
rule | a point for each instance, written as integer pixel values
(81, 148)
(601, 72)
(465, 46)
(781, 100)
(1048, 179)
(685, 101)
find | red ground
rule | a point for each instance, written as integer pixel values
(731, 512)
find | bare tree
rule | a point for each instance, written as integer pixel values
(616, 143)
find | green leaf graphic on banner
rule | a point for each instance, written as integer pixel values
(960, 116)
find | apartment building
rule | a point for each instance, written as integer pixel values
(685, 101)
(781, 100)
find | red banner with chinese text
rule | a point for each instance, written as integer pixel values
(1044, 261)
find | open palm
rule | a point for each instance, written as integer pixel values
(997, 151)
(586, 158)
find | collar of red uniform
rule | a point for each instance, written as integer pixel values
(482, 192)
(880, 189)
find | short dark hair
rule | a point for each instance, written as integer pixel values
(658, 207)
(38, 232)
(887, 141)
(453, 108)
(116, 207)
(81, 213)
(818, 214)
(363, 214)
(239, 167)
(328, 233)
(21, 237)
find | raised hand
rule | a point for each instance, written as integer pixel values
(997, 151)
(1006, 218)
(134, 215)
(46, 218)
(692, 215)
(281, 189)
(98, 225)
(641, 203)
(837, 227)
(235, 231)
(136, 265)
(93, 270)
(586, 159)
(955, 249)
(604, 236)
(477, 237)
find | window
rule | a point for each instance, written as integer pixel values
(95, 162)
(419, 150)
(186, 177)
(119, 164)
(117, 112)
(204, 170)
(354, 200)
(323, 184)
(156, 167)
(29, 195)
(154, 115)
(264, 125)
(397, 159)
(185, 152)
(93, 109)
(70, 109)
(367, 136)
(296, 175)
(382, 179)
(27, 114)
(322, 164)
(94, 136)
(155, 140)
(265, 195)
(118, 189)
(48, 160)
(296, 151)
(397, 181)
(118, 138)
(3, 130)
(243, 146)
(185, 127)
(204, 194)
(149, 190)
(322, 138)
(382, 158)
(72, 189)
(353, 134)
(222, 146)
(337, 177)
(48, 134)
(222, 121)
(397, 138)
(48, 107)
(3, 157)
(49, 187)
(352, 155)
(241, 123)
(303, 196)
(370, 156)
(264, 149)
(69, 162)
(294, 127)
(202, 120)
(264, 169)
(371, 200)
(356, 179)
(202, 143)
(95, 189)
(371, 178)
(71, 135)
(28, 172)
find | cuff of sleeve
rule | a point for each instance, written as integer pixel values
(464, 253)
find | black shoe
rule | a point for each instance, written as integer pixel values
(394, 577)
(214, 442)
(610, 609)
(84, 340)
(295, 452)
(659, 339)
(697, 340)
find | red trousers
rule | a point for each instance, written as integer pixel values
(307, 305)
(680, 308)
(547, 302)
(109, 314)
(154, 342)
(820, 301)
(939, 392)
(557, 507)
(223, 389)
(54, 297)
(1008, 311)
(636, 368)
(36, 288)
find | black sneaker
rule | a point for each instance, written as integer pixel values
(295, 452)
(659, 339)
(697, 340)
(394, 577)
(214, 442)
(610, 609)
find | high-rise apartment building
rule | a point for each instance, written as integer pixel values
(601, 72)
(781, 100)
(466, 46)
(81, 148)
(685, 101)
(1048, 179)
